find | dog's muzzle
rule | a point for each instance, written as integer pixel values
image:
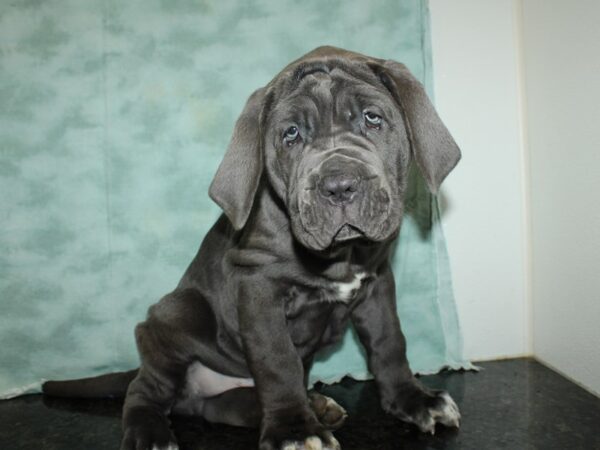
(345, 198)
(340, 190)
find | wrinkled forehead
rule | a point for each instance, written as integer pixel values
(320, 87)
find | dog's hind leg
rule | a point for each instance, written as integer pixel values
(145, 422)
(177, 330)
(148, 402)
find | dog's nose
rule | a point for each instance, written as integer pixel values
(339, 188)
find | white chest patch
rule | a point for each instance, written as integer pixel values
(346, 291)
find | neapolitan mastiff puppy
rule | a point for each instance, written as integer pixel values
(312, 188)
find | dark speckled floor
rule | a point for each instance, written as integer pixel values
(514, 404)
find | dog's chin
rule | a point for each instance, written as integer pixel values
(347, 233)
(344, 236)
(338, 234)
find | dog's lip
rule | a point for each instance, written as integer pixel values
(347, 232)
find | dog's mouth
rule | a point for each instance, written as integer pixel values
(346, 233)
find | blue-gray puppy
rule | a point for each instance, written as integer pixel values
(312, 188)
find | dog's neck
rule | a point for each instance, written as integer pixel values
(268, 231)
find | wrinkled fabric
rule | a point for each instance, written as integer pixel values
(113, 119)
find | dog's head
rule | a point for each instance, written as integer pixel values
(334, 134)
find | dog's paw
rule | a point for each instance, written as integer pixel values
(170, 446)
(295, 429)
(331, 415)
(312, 443)
(151, 439)
(437, 407)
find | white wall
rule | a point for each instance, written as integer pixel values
(518, 84)
(476, 80)
(562, 55)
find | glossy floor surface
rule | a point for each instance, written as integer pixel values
(513, 404)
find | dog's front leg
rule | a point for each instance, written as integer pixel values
(376, 322)
(288, 422)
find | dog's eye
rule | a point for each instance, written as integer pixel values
(372, 120)
(291, 135)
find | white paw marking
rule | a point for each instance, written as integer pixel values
(447, 414)
(334, 443)
(346, 291)
(311, 443)
(427, 426)
(170, 446)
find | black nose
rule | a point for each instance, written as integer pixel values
(339, 188)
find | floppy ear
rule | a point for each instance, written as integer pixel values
(234, 186)
(433, 147)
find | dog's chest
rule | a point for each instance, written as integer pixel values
(319, 316)
(305, 302)
(345, 291)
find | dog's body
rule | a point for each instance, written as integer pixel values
(312, 189)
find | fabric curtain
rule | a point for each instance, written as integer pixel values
(113, 118)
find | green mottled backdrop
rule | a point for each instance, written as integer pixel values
(113, 118)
